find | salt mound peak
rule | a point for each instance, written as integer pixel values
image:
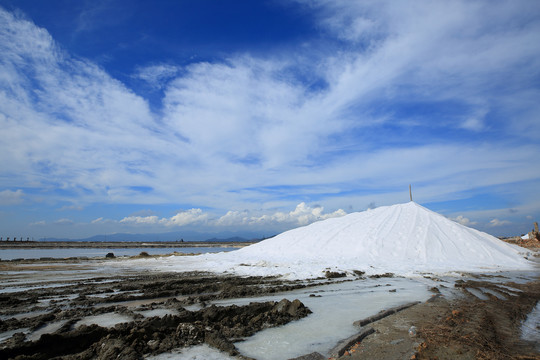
(400, 238)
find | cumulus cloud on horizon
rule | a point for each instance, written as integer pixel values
(303, 214)
(497, 222)
(464, 221)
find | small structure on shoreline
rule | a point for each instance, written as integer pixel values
(21, 239)
(534, 234)
(531, 240)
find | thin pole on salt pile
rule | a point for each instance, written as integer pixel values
(410, 191)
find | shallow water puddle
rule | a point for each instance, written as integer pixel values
(513, 290)
(7, 334)
(334, 312)
(200, 352)
(23, 315)
(478, 293)
(57, 299)
(497, 294)
(48, 329)
(104, 320)
(157, 312)
(530, 329)
(141, 302)
(30, 287)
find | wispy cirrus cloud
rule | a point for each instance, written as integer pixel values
(158, 75)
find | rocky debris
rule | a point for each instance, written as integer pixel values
(385, 275)
(334, 274)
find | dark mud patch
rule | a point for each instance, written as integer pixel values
(129, 297)
(215, 325)
(189, 288)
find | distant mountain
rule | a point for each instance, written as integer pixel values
(232, 239)
(171, 236)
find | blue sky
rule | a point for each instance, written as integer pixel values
(260, 116)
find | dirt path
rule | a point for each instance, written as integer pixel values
(462, 328)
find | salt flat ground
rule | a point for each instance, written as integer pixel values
(335, 303)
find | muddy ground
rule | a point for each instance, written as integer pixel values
(182, 298)
(464, 327)
(44, 315)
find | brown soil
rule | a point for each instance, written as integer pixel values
(462, 328)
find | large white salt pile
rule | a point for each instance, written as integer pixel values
(402, 238)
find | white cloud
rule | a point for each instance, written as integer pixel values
(182, 218)
(497, 222)
(187, 217)
(301, 215)
(64, 221)
(9, 197)
(463, 220)
(141, 220)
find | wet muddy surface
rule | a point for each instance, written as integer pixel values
(484, 321)
(92, 310)
(129, 317)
